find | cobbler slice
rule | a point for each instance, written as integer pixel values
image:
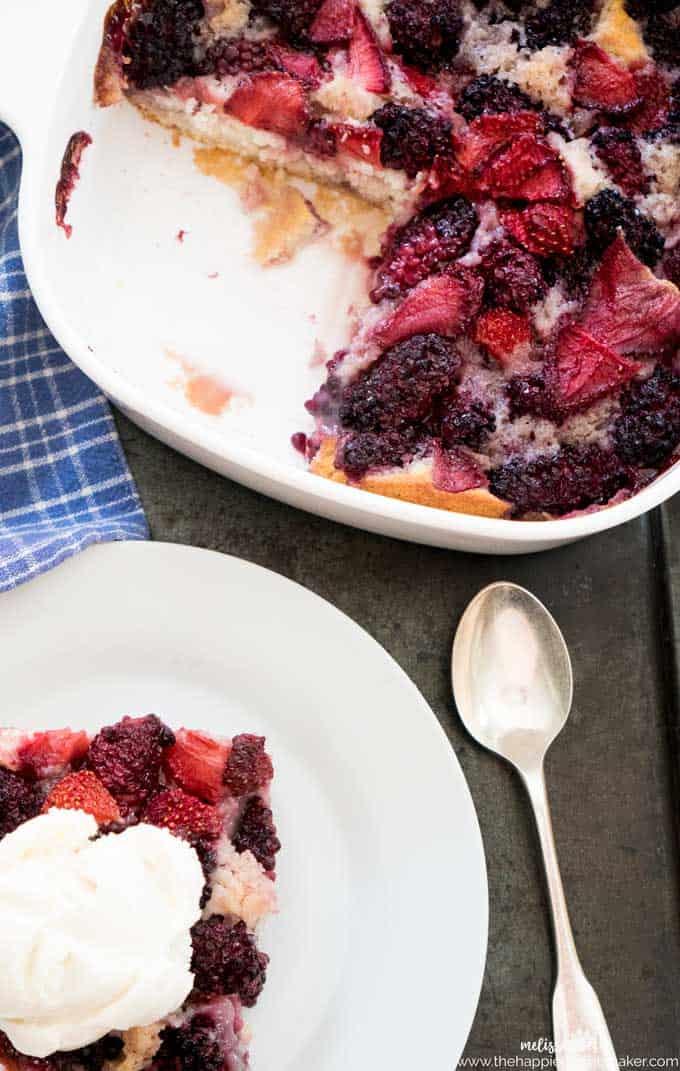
(518, 356)
(214, 794)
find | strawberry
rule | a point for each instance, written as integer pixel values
(333, 22)
(420, 83)
(269, 101)
(654, 90)
(52, 751)
(514, 162)
(542, 228)
(549, 183)
(301, 65)
(501, 331)
(183, 815)
(456, 471)
(83, 791)
(601, 82)
(446, 178)
(360, 141)
(628, 308)
(442, 303)
(487, 133)
(587, 369)
(525, 168)
(366, 62)
(196, 762)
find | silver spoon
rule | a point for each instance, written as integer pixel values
(513, 686)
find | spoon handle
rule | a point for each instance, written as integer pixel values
(582, 1039)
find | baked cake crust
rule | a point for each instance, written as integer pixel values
(417, 487)
(108, 86)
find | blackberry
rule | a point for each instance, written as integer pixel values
(401, 386)
(466, 423)
(234, 55)
(412, 137)
(513, 277)
(426, 32)
(248, 765)
(126, 758)
(574, 478)
(293, 17)
(207, 857)
(19, 801)
(619, 152)
(426, 244)
(490, 95)
(226, 960)
(574, 272)
(553, 124)
(560, 23)
(529, 396)
(193, 1046)
(607, 212)
(91, 1057)
(161, 42)
(647, 431)
(640, 8)
(671, 265)
(256, 833)
(361, 451)
(662, 33)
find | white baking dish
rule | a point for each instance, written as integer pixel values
(142, 313)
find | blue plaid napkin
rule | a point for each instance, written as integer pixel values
(64, 481)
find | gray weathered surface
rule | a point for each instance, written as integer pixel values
(609, 774)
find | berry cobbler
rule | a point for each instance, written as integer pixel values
(518, 353)
(136, 866)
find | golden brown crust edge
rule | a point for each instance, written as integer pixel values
(619, 34)
(108, 82)
(411, 487)
(108, 73)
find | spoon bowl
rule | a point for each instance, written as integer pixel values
(511, 674)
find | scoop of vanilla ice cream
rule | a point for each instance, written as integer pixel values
(95, 933)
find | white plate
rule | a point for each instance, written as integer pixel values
(378, 954)
(123, 292)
